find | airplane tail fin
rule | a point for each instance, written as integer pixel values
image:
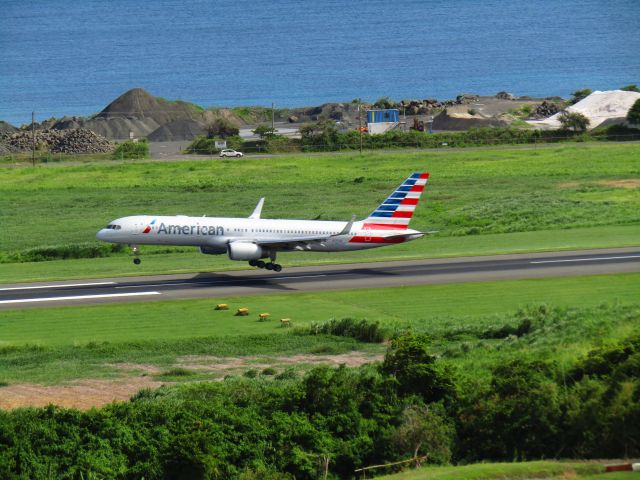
(396, 211)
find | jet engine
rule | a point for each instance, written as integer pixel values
(245, 251)
(212, 250)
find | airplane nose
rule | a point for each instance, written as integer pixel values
(101, 235)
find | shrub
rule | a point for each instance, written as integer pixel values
(132, 150)
(573, 121)
(221, 127)
(207, 146)
(280, 143)
(178, 372)
(62, 252)
(361, 330)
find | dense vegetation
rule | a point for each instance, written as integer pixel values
(328, 138)
(250, 428)
(131, 150)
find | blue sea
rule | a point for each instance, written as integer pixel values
(73, 57)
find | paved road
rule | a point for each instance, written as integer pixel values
(334, 277)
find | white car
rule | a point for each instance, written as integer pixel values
(229, 152)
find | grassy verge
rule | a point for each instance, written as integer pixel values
(434, 246)
(511, 471)
(62, 343)
(472, 193)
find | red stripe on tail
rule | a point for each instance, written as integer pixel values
(402, 214)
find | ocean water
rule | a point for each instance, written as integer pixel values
(73, 57)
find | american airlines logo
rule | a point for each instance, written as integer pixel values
(188, 229)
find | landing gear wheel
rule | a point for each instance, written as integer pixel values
(136, 261)
(277, 267)
(269, 266)
(260, 264)
(253, 263)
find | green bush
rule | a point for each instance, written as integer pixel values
(361, 330)
(63, 252)
(279, 143)
(203, 145)
(132, 150)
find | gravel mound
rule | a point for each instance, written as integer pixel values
(601, 108)
(7, 127)
(176, 131)
(79, 140)
(134, 112)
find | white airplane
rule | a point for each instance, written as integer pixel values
(252, 239)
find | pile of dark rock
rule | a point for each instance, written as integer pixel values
(56, 141)
(546, 109)
(420, 107)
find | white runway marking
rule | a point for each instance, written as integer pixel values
(79, 297)
(58, 286)
(586, 259)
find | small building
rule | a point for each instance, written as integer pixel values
(380, 121)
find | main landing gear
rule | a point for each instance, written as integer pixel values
(136, 254)
(269, 265)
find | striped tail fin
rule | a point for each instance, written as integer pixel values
(396, 211)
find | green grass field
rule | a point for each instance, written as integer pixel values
(434, 246)
(55, 344)
(515, 471)
(490, 201)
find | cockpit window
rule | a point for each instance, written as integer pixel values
(113, 226)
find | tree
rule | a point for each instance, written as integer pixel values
(264, 131)
(579, 95)
(633, 116)
(323, 133)
(415, 369)
(573, 121)
(221, 127)
(424, 429)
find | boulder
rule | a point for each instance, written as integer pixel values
(505, 96)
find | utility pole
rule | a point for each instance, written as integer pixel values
(273, 117)
(33, 138)
(360, 122)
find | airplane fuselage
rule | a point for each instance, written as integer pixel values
(216, 233)
(254, 238)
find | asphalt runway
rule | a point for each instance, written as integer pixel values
(320, 278)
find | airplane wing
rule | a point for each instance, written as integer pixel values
(290, 243)
(297, 242)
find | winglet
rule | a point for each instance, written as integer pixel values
(258, 210)
(347, 227)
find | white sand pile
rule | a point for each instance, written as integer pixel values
(599, 107)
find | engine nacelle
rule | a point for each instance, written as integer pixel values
(207, 250)
(245, 251)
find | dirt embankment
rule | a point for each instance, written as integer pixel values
(88, 393)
